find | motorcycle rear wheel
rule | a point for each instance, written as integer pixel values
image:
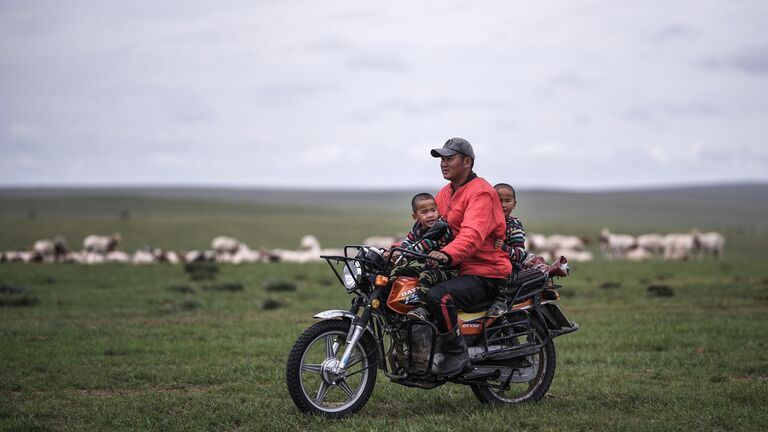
(312, 385)
(543, 368)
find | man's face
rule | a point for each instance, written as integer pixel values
(426, 212)
(455, 166)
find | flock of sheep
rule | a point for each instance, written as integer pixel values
(674, 246)
(103, 249)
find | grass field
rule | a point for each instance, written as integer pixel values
(146, 348)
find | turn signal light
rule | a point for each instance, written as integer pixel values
(381, 281)
(375, 303)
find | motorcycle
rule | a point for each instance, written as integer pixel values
(332, 367)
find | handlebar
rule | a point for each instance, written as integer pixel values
(405, 251)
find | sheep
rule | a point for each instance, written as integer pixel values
(45, 250)
(171, 257)
(143, 256)
(310, 243)
(537, 243)
(117, 257)
(380, 242)
(101, 244)
(93, 258)
(241, 254)
(246, 255)
(574, 255)
(224, 244)
(678, 246)
(653, 243)
(300, 256)
(74, 257)
(708, 243)
(615, 245)
(13, 256)
(568, 242)
(192, 256)
(638, 253)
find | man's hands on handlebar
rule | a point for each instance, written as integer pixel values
(439, 256)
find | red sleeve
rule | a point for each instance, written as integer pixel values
(478, 221)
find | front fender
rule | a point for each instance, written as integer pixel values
(340, 313)
(334, 313)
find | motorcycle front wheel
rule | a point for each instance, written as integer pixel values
(531, 376)
(314, 384)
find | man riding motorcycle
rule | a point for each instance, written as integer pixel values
(471, 207)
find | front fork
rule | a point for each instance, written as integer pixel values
(356, 328)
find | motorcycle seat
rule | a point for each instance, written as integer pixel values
(478, 307)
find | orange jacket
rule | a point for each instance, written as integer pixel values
(474, 214)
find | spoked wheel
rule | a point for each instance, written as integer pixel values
(314, 381)
(529, 377)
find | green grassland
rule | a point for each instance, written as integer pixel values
(115, 347)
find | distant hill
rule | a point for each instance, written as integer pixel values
(190, 217)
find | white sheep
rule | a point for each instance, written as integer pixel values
(101, 244)
(653, 243)
(380, 242)
(171, 257)
(93, 258)
(638, 253)
(246, 255)
(45, 250)
(224, 244)
(615, 245)
(143, 256)
(708, 243)
(74, 257)
(678, 246)
(118, 257)
(574, 255)
(567, 242)
(537, 243)
(13, 256)
(310, 243)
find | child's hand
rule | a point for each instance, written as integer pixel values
(497, 244)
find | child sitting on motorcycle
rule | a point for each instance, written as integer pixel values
(513, 242)
(429, 233)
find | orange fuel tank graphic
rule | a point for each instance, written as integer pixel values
(402, 287)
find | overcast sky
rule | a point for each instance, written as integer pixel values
(576, 94)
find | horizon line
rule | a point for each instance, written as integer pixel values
(286, 188)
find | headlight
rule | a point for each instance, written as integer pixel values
(351, 277)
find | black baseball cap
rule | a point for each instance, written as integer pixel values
(453, 146)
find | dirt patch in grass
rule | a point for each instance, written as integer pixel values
(225, 286)
(280, 286)
(184, 289)
(270, 304)
(201, 270)
(610, 285)
(660, 291)
(14, 296)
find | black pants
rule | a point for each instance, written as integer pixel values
(463, 292)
